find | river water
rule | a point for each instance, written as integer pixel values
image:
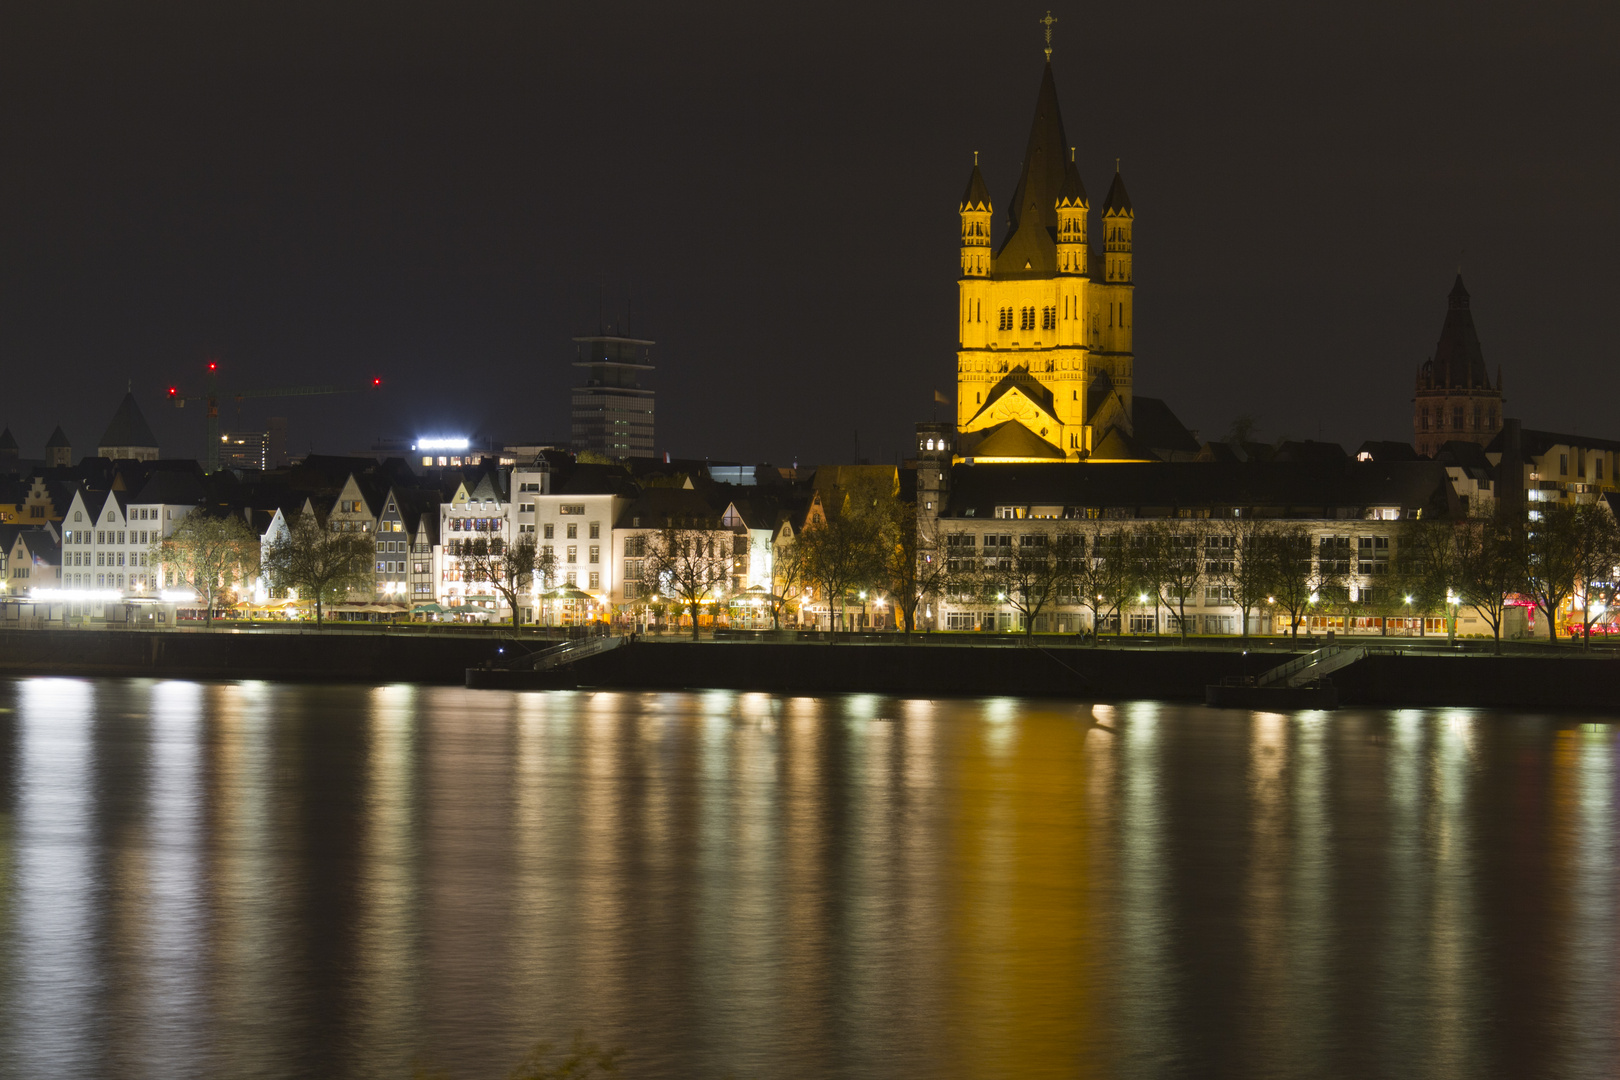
(262, 880)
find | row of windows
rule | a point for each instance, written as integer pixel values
(105, 558)
(1025, 318)
(73, 537)
(1484, 419)
(106, 581)
(1580, 466)
(572, 552)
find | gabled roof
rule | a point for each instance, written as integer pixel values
(58, 440)
(128, 427)
(8, 441)
(1020, 379)
(96, 504)
(656, 508)
(597, 480)
(1118, 203)
(1467, 456)
(1157, 428)
(1116, 445)
(1010, 439)
(42, 544)
(177, 487)
(1385, 450)
(1030, 245)
(487, 489)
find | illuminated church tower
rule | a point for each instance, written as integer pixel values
(1045, 362)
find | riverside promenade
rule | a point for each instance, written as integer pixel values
(1403, 673)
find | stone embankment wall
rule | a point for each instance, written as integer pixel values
(340, 655)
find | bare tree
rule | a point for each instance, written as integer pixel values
(509, 569)
(1249, 570)
(324, 564)
(1106, 579)
(1177, 558)
(787, 577)
(911, 563)
(1489, 568)
(1552, 557)
(1595, 544)
(691, 566)
(1293, 571)
(1036, 574)
(209, 554)
(840, 553)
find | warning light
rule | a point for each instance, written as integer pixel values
(212, 366)
(173, 391)
(376, 382)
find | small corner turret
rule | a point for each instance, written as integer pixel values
(976, 212)
(1073, 208)
(1118, 217)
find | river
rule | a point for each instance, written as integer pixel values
(264, 880)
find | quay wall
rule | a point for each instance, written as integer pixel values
(1561, 679)
(331, 655)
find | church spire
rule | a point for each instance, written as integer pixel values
(1032, 213)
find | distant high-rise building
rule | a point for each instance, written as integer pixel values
(276, 450)
(244, 449)
(1455, 400)
(613, 413)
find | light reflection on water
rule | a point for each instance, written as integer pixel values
(253, 880)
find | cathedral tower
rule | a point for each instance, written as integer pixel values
(1454, 399)
(1045, 360)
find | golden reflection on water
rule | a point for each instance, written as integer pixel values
(245, 879)
(1020, 935)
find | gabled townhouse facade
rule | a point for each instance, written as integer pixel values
(477, 509)
(34, 561)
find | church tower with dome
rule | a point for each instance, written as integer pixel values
(1045, 361)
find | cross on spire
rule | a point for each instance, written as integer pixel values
(1047, 22)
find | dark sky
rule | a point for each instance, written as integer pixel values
(443, 194)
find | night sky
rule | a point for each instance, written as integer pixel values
(443, 194)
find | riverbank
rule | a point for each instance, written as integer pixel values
(330, 655)
(1548, 679)
(1559, 679)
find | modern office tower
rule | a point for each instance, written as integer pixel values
(244, 449)
(613, 413)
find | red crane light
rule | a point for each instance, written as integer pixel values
(376, 382)
(212, 366)
(173, 391)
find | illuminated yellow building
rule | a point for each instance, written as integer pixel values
(1045, 363)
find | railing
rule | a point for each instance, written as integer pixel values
(569, 652)
(1285, 672)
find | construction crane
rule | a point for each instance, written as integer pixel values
(211, 395)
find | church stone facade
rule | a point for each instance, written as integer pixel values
(1044, 368)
